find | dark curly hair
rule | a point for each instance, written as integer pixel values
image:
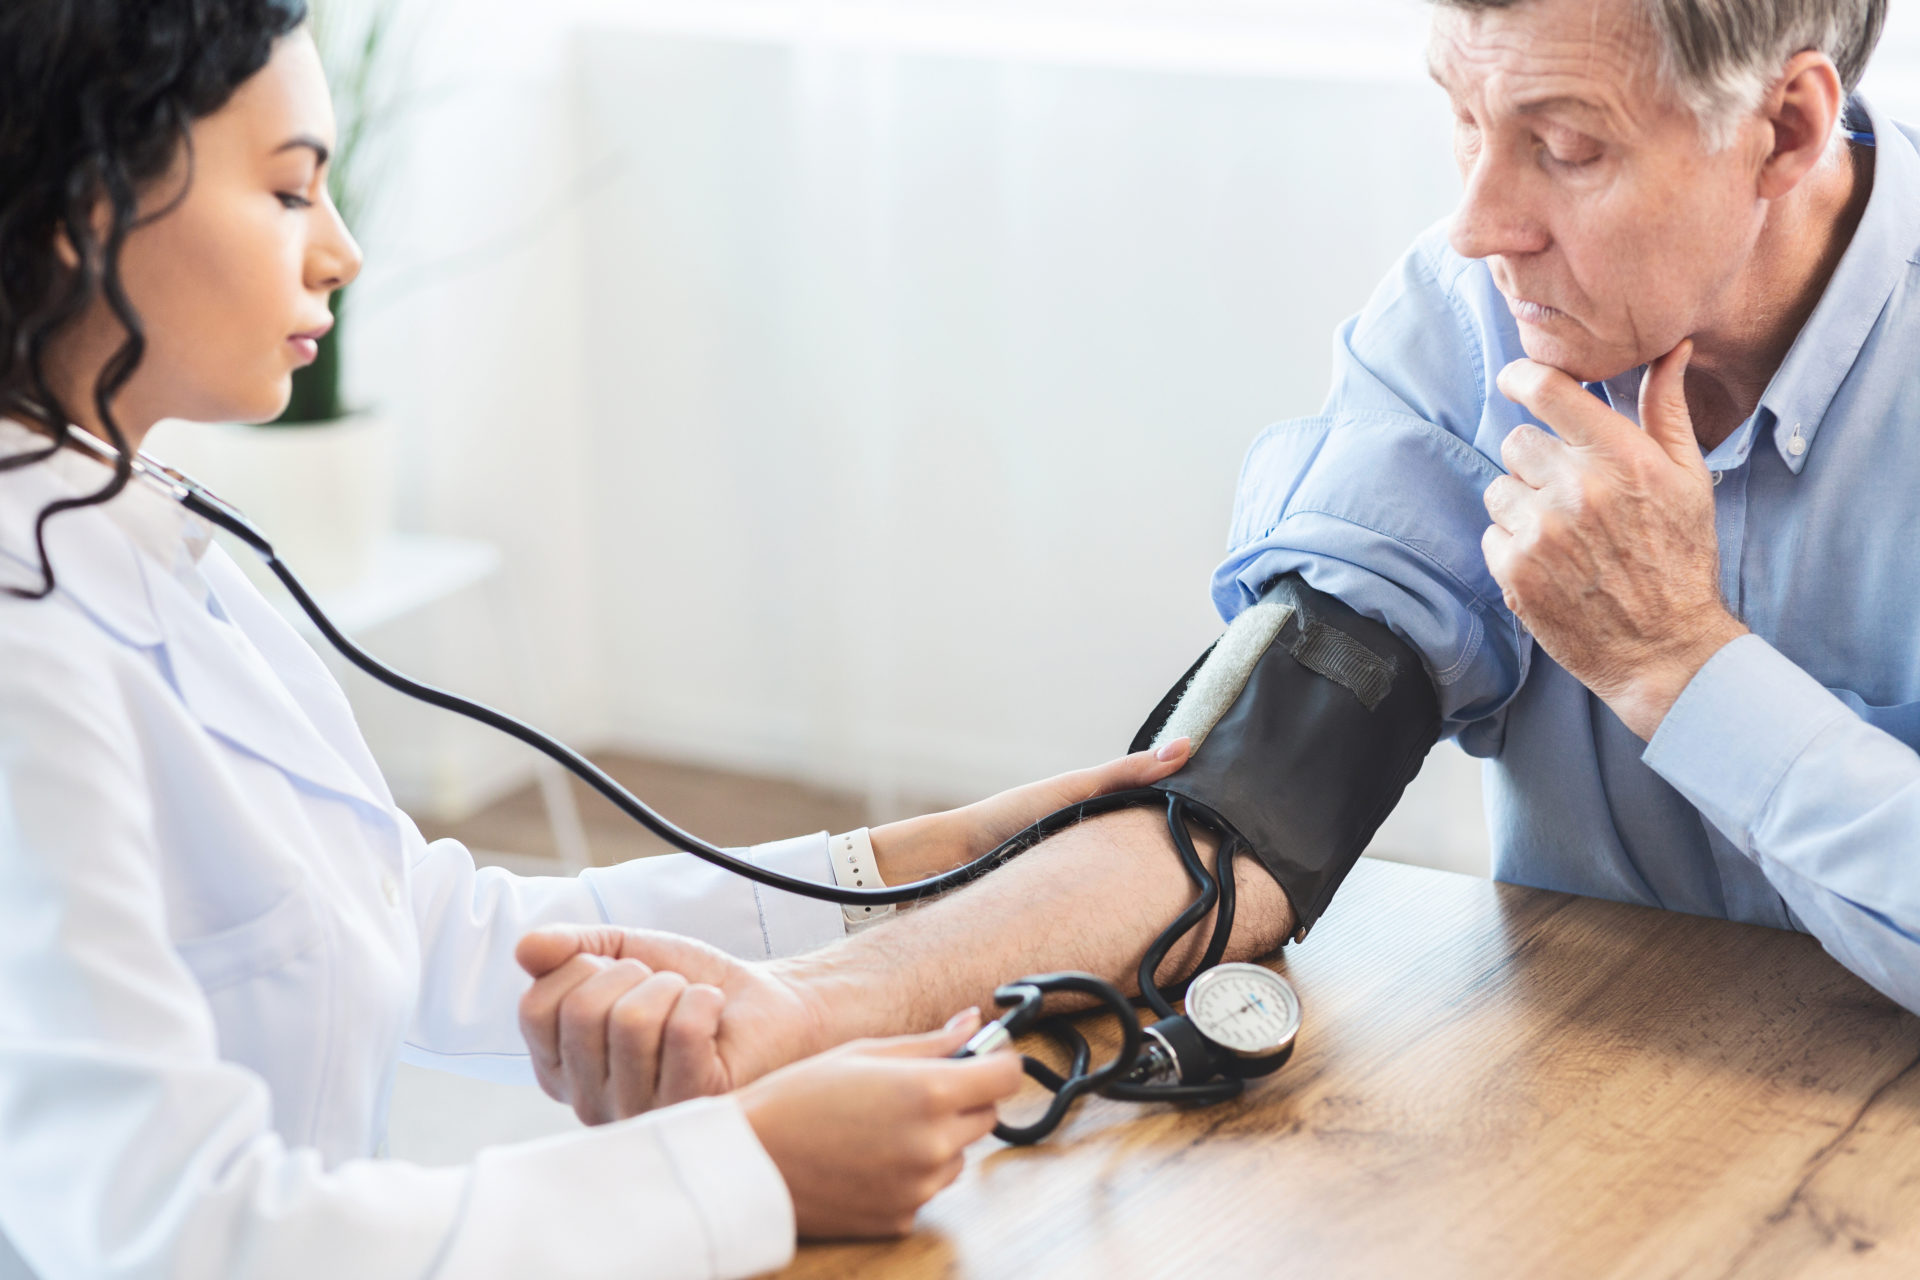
(96, 99)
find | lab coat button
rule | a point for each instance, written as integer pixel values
(390, 889)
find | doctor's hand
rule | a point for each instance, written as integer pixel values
(865, 1134)
(1603, 540)
(919, 848)
(619, 1021)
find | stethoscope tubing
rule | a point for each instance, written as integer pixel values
(197, 499)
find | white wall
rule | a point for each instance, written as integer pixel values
(922, 379)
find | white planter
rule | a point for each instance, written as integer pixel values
(322, 494)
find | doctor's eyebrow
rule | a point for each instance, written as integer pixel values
(311, 143)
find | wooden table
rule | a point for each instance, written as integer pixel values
(1491, 1081)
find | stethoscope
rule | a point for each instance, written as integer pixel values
(1241, 1020)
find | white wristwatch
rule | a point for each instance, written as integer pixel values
(855, 867)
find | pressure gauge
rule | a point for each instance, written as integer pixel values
(1247, 1010)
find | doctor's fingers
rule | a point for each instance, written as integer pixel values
(583, 1019)
(936, 1091)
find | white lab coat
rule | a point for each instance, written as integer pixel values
(218, 935)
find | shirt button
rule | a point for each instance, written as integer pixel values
(390, 889)
(1797, 446)
(1718, 476)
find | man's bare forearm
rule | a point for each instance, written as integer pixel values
(1092, 898)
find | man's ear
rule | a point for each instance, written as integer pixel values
(1803, 111)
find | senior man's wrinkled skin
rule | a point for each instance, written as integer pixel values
(1618, 236)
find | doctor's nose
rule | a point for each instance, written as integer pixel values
(333, 257)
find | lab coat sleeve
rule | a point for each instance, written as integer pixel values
(1826, 804)
(471, 919)
(130, 1148)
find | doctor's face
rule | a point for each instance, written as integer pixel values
(232, 282)
(1607, 224)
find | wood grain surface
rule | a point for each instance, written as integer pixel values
(1491, 1081)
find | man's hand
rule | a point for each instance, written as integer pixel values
(620, 1021)
(1603, 540)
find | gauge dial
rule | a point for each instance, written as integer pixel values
(1244, 1008)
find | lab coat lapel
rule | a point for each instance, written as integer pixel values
(297, 666)
(232, 689)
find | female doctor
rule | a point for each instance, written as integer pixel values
(217, 933)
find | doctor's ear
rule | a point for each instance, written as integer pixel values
(64, 250)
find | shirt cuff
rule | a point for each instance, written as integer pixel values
(684, 1192)
(1736, 730)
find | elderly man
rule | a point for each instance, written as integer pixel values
(1688, 642)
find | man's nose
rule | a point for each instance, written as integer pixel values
(1493, 218)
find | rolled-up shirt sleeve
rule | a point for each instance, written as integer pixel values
(1377, 500)
(1816, 796)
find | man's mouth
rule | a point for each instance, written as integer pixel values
(1535, 313)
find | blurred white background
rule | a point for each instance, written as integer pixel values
(858, 390)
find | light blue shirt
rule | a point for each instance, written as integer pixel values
(1783, 788)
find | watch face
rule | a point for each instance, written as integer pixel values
(1244, 1008)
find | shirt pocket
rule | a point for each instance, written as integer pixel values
(281, 934)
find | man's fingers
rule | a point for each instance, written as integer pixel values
(1496, 544)
(1573, 412)
(1663, 407)
(544, 950)
(1533, 456)
(635, 1026)
(697, 961)
(584, 1016)
(690, 1065)
(1510, 503)
(540, 1007)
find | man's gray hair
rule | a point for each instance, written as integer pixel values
(1721, 56)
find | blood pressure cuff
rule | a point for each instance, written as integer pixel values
(1307, 722)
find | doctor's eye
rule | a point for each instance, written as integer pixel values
(293, 200)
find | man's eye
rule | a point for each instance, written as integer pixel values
(294, 200)
(1569, 153)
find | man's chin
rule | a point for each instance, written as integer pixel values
(1585, 362)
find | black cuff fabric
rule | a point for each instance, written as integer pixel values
(1334, 720)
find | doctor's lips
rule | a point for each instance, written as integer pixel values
(307, 345)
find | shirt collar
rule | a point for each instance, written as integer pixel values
(1827, 346)
(1824, 353)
